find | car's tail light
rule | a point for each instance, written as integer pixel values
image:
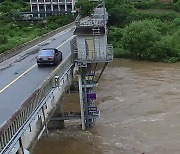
(51, 58)
(39, 58)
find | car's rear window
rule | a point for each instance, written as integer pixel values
(46, 53)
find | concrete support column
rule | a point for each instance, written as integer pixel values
(45, 9)
(26, 152)
(81, 101)
(53, 125)
(59, 124)
(52, 6)
(21, 149)
(38, 9)
(65, 5)
(58, 6)
(73, 3)
(31, 5)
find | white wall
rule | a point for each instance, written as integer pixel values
(100, 43)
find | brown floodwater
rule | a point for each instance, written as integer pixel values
(140, 113)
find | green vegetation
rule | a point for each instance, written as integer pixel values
(85, 7)
(151, 40)
(145, 30)
(14, 33)
(139, 29)
(8, 7)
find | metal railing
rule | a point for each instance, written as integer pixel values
(92, 22)
(92, 55)
(13, 126)
(51, 1)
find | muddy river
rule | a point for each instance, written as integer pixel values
(140, 113)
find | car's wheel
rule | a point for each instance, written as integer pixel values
(55, 63)
(61, 56)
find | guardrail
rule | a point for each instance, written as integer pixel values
(92, 22)
(92, 55)
(6, 55)
(10, 130)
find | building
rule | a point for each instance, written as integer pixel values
(48, 7)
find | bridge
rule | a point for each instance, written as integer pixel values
(30, 96)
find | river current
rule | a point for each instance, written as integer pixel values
(140, 113)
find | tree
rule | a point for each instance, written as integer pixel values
(139, 36)
(115, 34)
(110, 4)
(8, 7)
(167, 49)
(3, 39)
(85, 7)
(119, 14)
(177, 6)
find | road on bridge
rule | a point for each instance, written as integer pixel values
(20, 76)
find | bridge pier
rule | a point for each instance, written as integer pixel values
(89, 111)
(57, 124)
(26, 151)
(81, 101)
(21, 149)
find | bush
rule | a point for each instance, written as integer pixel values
(150, 40)
(3, 39)
(142, 5)
(176, 21)
(139, 36)
(121, 53)
(136, 16)
(11, 34)
(115, 34)
(165, 50)
(85, 7)
(3, 48)
(160, 5)
(174, 1)
(119, 14)
(177, 6)
(168, 16)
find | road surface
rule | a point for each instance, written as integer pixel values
(20, 76)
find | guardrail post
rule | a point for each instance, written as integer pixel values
(45, 122)
(56, 81)
(21, 150)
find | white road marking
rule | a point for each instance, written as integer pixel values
(57, 35)
(65, 42)
(30, 69)
(17, 78)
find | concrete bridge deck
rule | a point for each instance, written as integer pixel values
(24, 86)
(38, 90)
